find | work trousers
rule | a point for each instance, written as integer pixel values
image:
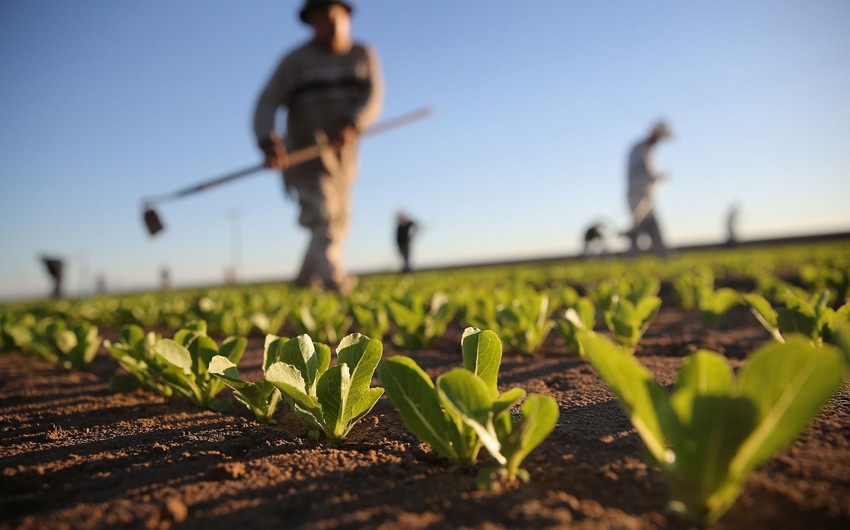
(648, 225)
(325, 211)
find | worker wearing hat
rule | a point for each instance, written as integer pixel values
(330, 86)
(643, 183)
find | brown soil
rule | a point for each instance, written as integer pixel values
(73, 455)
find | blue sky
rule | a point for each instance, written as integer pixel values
(105, 102)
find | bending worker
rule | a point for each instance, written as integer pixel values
(643, 183)
(331, 86)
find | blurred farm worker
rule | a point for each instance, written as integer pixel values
(331, 87)
(732, 224)
(643, 183)
(55, 268)
(594, 240)
(405, 229)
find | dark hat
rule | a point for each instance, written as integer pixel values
(312, 5)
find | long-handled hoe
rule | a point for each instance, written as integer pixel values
(322, 150)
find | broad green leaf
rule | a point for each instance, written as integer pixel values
(221, 367)
(362, 355)
(633, 386)
(271, 348)
(706, 373)
(789, 383)
(233, 348)
(300, 352)
(65, 340)
(289, 380)
(705, 433)
(174, 354)
(508, 400)
(538, 417)
(323, 358)
(332, 391)
(413, 394)
(468, 397)
(482, 355)
(365, 402)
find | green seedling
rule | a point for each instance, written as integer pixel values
(524, 323)
(628, 321)
(72, 347)
(371, 319)
(185, 364)
(807, 316)
(714, 429)
(464, 410)
(327, 400)
(417, 322)
(581, 316)
(324, 317)
(135, 354)
(261, 397)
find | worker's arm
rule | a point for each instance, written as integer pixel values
(274, 95)
(367, 110)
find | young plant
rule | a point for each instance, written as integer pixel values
(715, 303)
(324, 317)
(371, 319)
(417, 322)
(811, 317)
(714, 429)
(136, 355)
(580, 316)
(628, 321)
(326, 400)
(261, 397)
(72, 347)
(524, 323)
(185, 361)
(464, 410)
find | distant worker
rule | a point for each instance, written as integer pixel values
(643, 183)
(55, 268)
(333, 87)
(732, 224)
(594, 241)
(405, 230)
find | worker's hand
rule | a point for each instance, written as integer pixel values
(275, 153)
(347, 134)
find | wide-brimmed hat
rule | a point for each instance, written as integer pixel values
(312, 5)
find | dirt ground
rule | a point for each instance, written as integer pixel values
(74, 455)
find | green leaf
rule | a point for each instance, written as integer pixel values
(633, 386)
(332, 391)
(271, 350)
(221, 367)
(289, 380)
(508, 400)
(465, 394)
(538, 417)
(482, 355)
(300, 352)
(789, 383)
(705, 433)
(413, 394)
(362, 355)
(174, 354)
(706, 373)
(764, 313)
(233, 348)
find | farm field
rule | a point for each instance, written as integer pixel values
(75, 454)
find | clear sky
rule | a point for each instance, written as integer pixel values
(103, 102)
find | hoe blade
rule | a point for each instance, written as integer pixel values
(152, 221)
